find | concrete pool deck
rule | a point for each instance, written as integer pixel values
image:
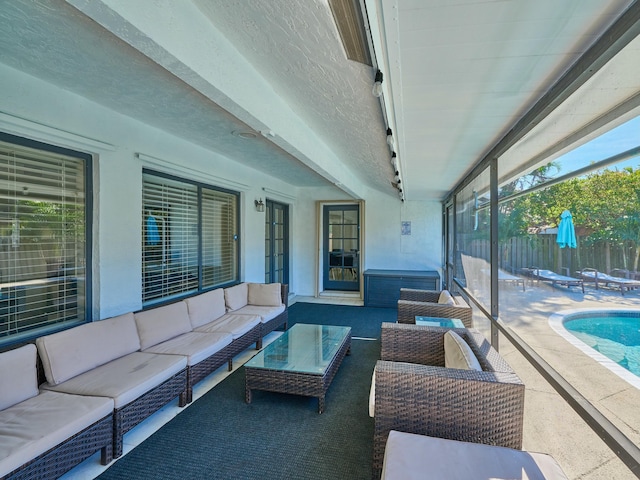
(552, 426)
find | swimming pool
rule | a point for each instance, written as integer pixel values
(612, 337)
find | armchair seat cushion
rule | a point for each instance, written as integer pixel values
(124, 379)
(235, 324)
(408, 456)
(196, 346)
(36, 425)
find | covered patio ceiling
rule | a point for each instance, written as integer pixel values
(267, 82)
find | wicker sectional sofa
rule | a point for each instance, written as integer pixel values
(134, 364)
(43, 434)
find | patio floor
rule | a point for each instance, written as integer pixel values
(551, 426)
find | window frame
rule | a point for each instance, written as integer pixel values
(153, 303)
(87, 170)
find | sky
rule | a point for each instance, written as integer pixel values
(622, 138)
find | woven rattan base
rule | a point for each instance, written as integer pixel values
(130, 415)
(296, 383)
(67, 455)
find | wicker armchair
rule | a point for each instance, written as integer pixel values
(424, 397)
(424, 303)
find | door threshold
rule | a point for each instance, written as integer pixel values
(339, 293)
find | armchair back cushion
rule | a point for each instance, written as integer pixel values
(458, 354)
(18, 375)
(162, 323)
(236, 296)
(206, 307)
(445, 298)
(264, 294)
(71, 352)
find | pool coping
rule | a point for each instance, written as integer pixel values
(556, 322)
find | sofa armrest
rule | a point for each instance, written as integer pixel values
(408, 310)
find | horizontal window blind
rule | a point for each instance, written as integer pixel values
(189, 237)
(219, 245)
(42, 240)
(170, 249)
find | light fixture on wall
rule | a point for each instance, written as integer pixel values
(377, 85)
(259, 205)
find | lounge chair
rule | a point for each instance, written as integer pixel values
(599, 278)
(555, 278)
(506, 277)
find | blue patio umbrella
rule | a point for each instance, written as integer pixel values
(566, 235)
(566, 231)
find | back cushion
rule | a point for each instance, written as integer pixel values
(18, 375)
(458, 353)
(264, 294)
(236, 297)
(206, 307)
(446, 298)
(162, 323)
(77, 350)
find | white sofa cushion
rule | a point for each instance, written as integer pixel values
(125, 378)
(18, 375)
(77, 350)
(266, 294)
(236, 297)
(458, 354)
(265, 313)
(408, 456)
(38, 424)
(196, 346)
(206, 307)
(236, 325)
(163, 323)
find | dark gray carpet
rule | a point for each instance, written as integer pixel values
(364, 321)
(277, 436)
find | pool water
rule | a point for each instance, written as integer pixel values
(616, 336)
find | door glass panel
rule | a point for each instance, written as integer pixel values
(276, 242)
(341, 243)
(351, 217)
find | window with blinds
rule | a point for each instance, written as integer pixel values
(43, 238)
(189, 237)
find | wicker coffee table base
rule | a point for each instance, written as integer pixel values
(296, 383)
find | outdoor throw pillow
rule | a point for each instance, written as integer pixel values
(446, 298)
(458, 354)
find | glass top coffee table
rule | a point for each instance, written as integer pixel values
(302, 361)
